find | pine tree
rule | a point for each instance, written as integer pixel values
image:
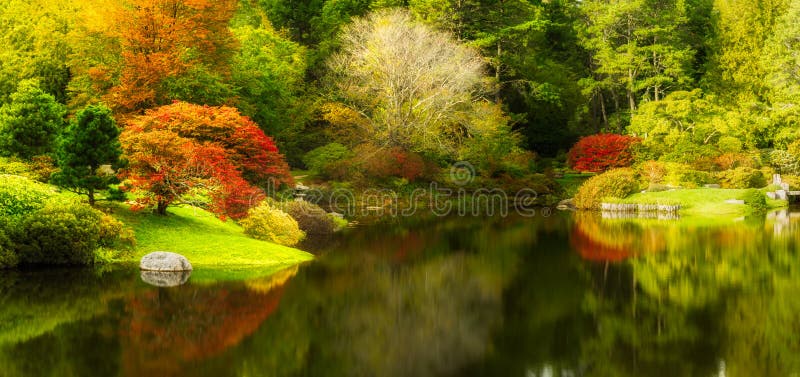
(30, 123)
(88, 143)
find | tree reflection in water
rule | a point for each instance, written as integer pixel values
(560, 296)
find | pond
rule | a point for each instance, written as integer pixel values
(562, 295)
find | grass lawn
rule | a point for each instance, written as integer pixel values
(702, 201)
(217, 250)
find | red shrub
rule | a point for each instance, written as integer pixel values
(394, 162)
(601, 152)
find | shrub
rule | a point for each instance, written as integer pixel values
(381, 163)
(318, 160)
(601, 152)
(519, 163)
(310, 217)
(14, 166)
(694, 178)
(617, 183)
(729, 144)
(8, 257)
(683, 175)
(59, 233)
(742, 178)
(271, 224)
(40, 168)
(339, 222)
(784, 162)
(794, 148)
(728, 161)
(115, 234)
(755, 199)
(20, 195)
(654, 171)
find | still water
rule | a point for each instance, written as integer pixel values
(564, 295)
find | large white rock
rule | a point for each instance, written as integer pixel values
(164, 261)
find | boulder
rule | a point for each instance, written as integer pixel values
(164, 261)
(712, 185)
(166, 278)
(734, 201)
(566, 205)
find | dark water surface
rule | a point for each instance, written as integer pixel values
(546, 296)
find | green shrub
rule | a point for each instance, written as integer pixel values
(318, 160)
(741, 178)
(694, 178)
(8, 257)
(755, 199)
(114, 234)
(617, 183)
(729, 144)
(62, 232)
(310, 217)
(13, 166)
(683, 175)
(339, 222)
(271, 224)
(20, 195)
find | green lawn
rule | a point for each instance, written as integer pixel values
(701, 201)
(217, 250)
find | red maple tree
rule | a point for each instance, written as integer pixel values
(598, 153)
(176, 148)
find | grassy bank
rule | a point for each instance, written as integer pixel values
(702, 202)
(217, 250)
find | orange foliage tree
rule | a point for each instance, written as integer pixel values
(598, 153)
(176, 148)
(163, 40)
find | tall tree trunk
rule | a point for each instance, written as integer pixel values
(90, 194)
(603, 110)
(497, 72)
(631, 99)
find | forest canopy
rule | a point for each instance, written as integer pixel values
(441, 79)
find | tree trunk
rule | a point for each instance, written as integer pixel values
(656, 72)
(497, 72)
(631, 99)
(90, 194)
(603, 110)
(161, 209)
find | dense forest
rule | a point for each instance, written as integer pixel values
(559, 69)
(708, 84)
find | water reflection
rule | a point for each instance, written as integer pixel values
(557, 296)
